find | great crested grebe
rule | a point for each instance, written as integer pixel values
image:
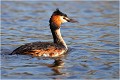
(47, 49)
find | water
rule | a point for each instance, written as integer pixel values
(93, 42)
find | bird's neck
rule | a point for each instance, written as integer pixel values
(57, 35)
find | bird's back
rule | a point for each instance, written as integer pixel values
(45, 49)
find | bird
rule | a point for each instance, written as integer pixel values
(48, 49)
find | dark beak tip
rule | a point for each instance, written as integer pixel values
(73, 21)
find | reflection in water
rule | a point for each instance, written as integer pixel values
(55, 66)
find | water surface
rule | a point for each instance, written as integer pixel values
(93, 42)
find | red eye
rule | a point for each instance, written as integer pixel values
(64, 18)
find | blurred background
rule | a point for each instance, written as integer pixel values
(93, 42)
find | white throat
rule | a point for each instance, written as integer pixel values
(58, 38)
(58, 33)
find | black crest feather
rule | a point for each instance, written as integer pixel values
(58, 12)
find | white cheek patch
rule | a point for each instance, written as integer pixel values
(63, 20)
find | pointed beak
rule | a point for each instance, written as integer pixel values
(71, 20)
